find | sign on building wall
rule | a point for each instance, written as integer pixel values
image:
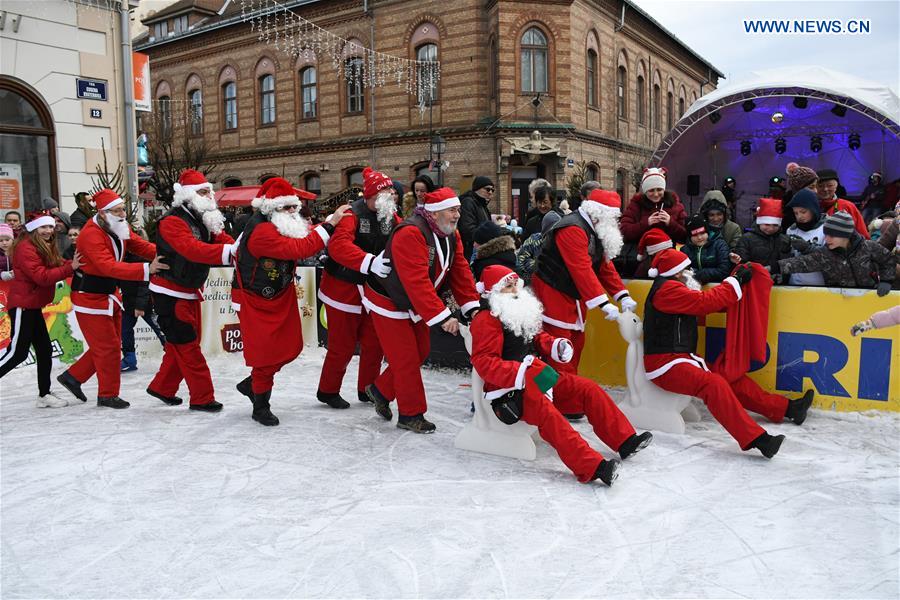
(91, 89)
(140, 70)
(10, 186)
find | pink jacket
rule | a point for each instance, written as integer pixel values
(886, 318)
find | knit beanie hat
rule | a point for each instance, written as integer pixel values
(696, 225)
(6, 230)
(840, 224)
(799, 177)
(374, 181)
(549, 220)
(806, 199)
(49, 203)
(480, 182)
(653, 178)
(487, 231)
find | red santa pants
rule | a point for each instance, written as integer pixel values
(262, 379)
(406, 346)
(182, 358)
(344, 330)
(577, 339)
(103, 334)
(718, 396)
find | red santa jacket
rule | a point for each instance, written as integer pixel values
(177, 233)
(840, 204)
(411, 265)
(333, 291)
(500, 375)
(35, 283)
(562, 310)
(675, 298)
(102, 254)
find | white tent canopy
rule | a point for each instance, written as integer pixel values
(707, 140)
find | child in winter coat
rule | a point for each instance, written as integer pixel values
(6, 242)
(709, 257)
(765, 244)
(807, 233)
(715, 211)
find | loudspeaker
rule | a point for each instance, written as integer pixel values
(693, 185)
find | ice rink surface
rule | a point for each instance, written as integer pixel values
(162, 502)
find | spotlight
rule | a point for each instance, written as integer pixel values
(715, 117)
(745, 148)
(853, 141)
(777, 117)
(748, 105)
(838, 110)
(815, 143)
(801, 102)
(780, 145)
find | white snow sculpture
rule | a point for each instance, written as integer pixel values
(647, 405)
(485, 432)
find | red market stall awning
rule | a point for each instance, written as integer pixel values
(244, 195)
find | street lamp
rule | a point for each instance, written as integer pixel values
(438, 146)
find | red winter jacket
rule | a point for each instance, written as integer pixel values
(35, 283)
(634, 221)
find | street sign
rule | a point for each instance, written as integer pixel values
(570, 162)
(91, 89)
(96, 113)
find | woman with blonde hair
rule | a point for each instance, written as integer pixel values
(38, 266)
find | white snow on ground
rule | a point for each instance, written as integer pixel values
(158, 501)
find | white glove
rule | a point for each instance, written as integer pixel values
(628, 304)
(380, 266)
(7, 275)
(612, 313)
(563, 351)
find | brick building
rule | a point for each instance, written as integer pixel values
(599, 79)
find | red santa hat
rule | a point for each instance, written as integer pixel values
(668, 263)
(653, 178)
(607, 199)
(106, 199)
(769, 212)
(654, 240)
(440, 199)
(38, 219)
(495, 277)
(189, 182)
(374, 181)
(276, 193)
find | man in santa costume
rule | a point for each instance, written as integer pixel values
(96, 298)
(575, 272)
(426, 256)
(509, 352)
(263, 291)
(354, 255)
(670, 353)
(190, 238)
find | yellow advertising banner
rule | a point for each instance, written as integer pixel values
(809, 345)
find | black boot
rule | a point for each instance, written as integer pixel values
(170, 400)
(574, 416)
(635, 444)
(261, 412)
(112, 402)
(382, 404)
(607, 471)
(416, 424)
(212, 406)
(332, 400)
(799, 407)
(246, 388)
(767, 444)
(363, 397)
(71, 384)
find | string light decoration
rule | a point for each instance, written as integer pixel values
(290, 33)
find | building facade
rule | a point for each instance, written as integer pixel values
(600, 82)
(52, 52)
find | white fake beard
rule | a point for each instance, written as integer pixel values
(385, 207)
(519, 312)
(212, 217)
(291, 225)
(606, 225)
(690, 281)
(118, 226)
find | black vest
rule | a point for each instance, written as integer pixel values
(371, 236)
(266, 277)
(550, 265)
(665, 333)
(97, 284)
(516, 347)
(182, 271)
(391, 286)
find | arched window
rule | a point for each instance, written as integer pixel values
(494, 72)
(232, 182)
(265, 178)
(229, 105)
(670, 110)
(354, 177)
(267, 100)
(592, 172)
(27, 144)
(428, 88)
(195, 101)
(353, 72)
(655, 114)
(591, 77)
(308, 93)
(621, 107)
(312, 183)
(534, 61)
(164, 113)
(680, 107)
(641, 98)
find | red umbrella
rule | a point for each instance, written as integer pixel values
(244, 195)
